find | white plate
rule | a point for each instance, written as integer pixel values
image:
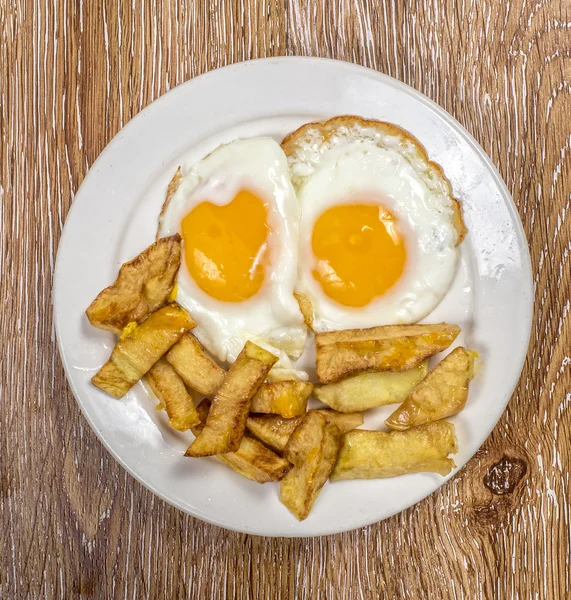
(114, 217)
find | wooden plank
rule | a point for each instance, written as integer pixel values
(74, 524)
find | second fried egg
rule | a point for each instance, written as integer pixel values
(379, 225)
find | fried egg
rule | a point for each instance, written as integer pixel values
(238, 217)
(379, 225)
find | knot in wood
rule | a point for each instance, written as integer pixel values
(503, 476)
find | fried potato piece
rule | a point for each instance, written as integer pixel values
(169, 388)
(252, 459)
(377, 454)
(227, 417)
(442, 393)
(313, 449)
(198, 370)
(256, 462)
(344, 421)
(285, 398)
(368, 390)
(136, 353)
(142, 287)
(275, 431)
(386, 348)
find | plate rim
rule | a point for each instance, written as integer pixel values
(527, 274)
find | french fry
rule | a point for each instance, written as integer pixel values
(312, 449)
(252, 459)
(386, 348)
(285, 398)
(368, 390)
(441, 394)
(275, 431)
(377, 454)
(196, 368)
(345, 421)
(169, 388)
(227, 417)
(136, 353)
(143, 285)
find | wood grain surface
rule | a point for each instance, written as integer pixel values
(74, 524)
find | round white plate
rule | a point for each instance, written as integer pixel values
(114, 216)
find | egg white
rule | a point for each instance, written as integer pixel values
(270, 318)
(360, 164)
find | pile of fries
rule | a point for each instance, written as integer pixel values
(263, 429)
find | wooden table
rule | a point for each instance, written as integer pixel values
(74, 524)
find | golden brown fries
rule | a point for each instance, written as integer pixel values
(285, 398)
(376, 454)
(142, 286)
(169, 388)
(442, 393)
(344, 421)
(196, 368)
(368, 390)
(227, 417)
(312, 449)
(252, 459)
(256, 462)
(135, 354)
(275, 431)
(387, 348)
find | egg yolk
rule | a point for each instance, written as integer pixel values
(360, 252)
(226, 246)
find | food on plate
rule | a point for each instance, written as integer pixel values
(143, 285)
(224, 428)
(376, 454)
(379, 227)
(285, 398)
(238, 216)
(368, 390)
(171, 189)
(441, 394)
(275, 431)
(196, 368)
(344, 421)
(385, 348)
(252, 459)
(137, 352)
(312, 449)
(346, 231)
(169, 388)
(306, 309)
